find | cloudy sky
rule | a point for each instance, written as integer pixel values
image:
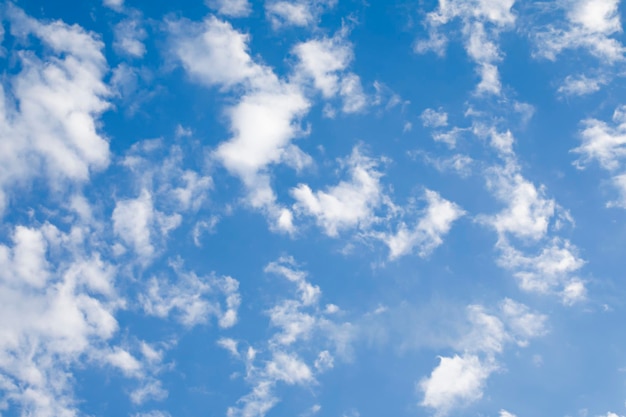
(298, 208)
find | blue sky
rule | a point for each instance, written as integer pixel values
(332, 208)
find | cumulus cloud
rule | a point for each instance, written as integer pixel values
(50, 108)
(58, 302)
(552, 270)
(265, 118)
(460, 380)
(526, 219)
(454, 382)
(348, 204)
(428, 232)
(138, 223)
(588, 25)
(605, 144)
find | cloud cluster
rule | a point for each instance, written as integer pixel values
(605, 144)
(460, 380)
(482, 21)
(50, 108)
(306, 340)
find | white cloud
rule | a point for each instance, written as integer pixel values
(139, 224)
(481, 21)
(264, 120)
(354, 99)
(302, 328)
(606, 145)
(323, 60)
(113, 4)
(129, 36)
(504, 413)
(580, 85)
(590, 25)
(296, 12)
(551, 270)
(348, 204)
(434, 118)
(603, 143)
(456, 381)
(527, 213)
(427, 234)
(461, 379)
(57, 301)
(232, 8)
(49, 115)
(191, 299)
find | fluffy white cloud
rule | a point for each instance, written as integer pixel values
(323, 60)
(427, 234)
(527, 213)
(461, 379)
(454, 382)
(49, 115)
(296, 12)
(138, 223)
(348, 204)
(57, 300)
(590, 25)
(553, 269)
(606, 145)
(266, 117)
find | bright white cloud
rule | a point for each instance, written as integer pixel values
(527, 213)
(461, 379)
(56, 309)
(138, 224)
(590, 25)
(456, 381)
(552, 269)
(49, 114)
(428, 233)
(323, 60)
(348, 204)
(266, 117)
(606, 145)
